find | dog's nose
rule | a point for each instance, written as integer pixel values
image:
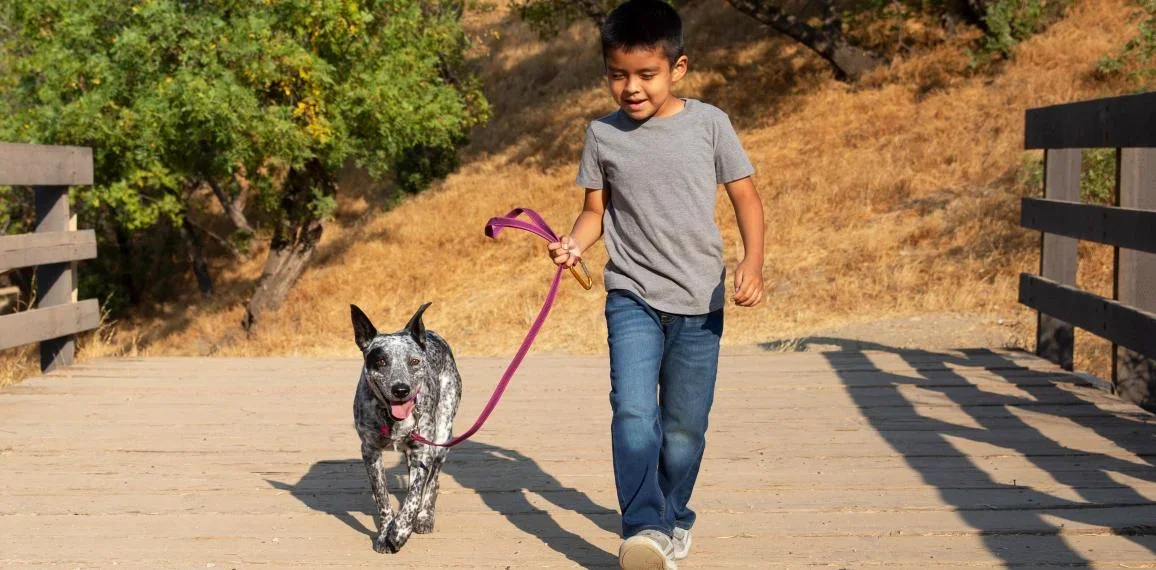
(400, 391)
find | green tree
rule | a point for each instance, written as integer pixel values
(272, 96)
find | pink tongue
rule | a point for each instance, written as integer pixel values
(401, 411)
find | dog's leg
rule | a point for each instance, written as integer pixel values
(377, 484)
(419, 461)
(424, 522)
(450, 382)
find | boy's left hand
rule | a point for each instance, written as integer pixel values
(748, 283)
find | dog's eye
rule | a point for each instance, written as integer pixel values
(380, 362)
(414, 361)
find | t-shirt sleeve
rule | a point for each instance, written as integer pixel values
(590, 168)
(730, 160)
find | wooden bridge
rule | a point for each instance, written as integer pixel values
(839, 459)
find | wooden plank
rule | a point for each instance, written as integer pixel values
(1109, 319)
(54, 280)
(1123, 227)
(1134, 376)
(26, 250)
(36, 325)
(1055, 339)
(1116, 122)
(45, 165)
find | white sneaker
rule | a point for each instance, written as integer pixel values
(647, 550)
(681, 542)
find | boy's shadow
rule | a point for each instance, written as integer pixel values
(498, 475)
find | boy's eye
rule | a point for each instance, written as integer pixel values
(647, 76)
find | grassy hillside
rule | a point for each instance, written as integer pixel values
(898, 197)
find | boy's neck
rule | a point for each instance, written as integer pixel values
(672, 106)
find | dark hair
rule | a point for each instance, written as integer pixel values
(643, 24)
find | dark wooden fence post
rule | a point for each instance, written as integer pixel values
(53, 280)
(1055, 339)
(1133, 375)
(53, 249)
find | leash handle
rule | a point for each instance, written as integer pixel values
(539, 227)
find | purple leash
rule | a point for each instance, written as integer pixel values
(539, 227)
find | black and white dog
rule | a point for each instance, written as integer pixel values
(409, 381)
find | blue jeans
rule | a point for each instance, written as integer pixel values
(662, 376)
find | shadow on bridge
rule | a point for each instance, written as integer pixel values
(1001, 511)
(501, 477)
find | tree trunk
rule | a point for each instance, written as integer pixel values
(125, 264)
(295, 238)
(233, 208)
(850, 62)
(196, 257)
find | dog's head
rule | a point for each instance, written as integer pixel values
(396, 365)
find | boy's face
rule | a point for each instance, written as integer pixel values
(640, 81)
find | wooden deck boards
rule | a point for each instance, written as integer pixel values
(837, 460)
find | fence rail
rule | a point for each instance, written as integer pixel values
(52, 249)
(1127, 124)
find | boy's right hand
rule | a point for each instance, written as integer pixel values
(565, 252)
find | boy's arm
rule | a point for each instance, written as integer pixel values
(586, 231)
(749, 213)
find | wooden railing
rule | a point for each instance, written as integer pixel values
(53, 249)
(1127, 124)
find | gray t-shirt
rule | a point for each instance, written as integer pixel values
(659, 226)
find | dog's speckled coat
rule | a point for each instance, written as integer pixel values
(417, 364)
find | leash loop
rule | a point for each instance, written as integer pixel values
(537, 226)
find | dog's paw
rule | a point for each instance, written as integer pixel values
(382, 544)
(391, 539)
(424, 523)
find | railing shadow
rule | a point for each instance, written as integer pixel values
(501, 477)
(1019, 509)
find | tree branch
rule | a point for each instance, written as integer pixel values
(224, 242)
(230, 206)
(850, 62)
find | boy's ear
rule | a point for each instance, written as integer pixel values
(363, 330)
(678, 70)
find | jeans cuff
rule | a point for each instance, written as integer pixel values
(668, 532)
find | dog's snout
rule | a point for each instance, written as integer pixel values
(400, 391)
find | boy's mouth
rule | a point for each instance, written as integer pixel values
(635, 105)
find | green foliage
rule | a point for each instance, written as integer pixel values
(173, 93)
(419, 166)
(1008, 22)
(549, 17)
(1098, 176)
(1137, 58)
(1031, 176)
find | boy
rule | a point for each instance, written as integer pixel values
(650, 171)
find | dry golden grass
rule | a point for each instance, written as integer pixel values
(896, 197)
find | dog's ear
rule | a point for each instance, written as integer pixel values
(416, 328)
(363, 330)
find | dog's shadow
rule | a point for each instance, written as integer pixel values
(501, 477)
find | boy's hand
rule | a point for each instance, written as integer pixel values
(748, 283)
(565, 252)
